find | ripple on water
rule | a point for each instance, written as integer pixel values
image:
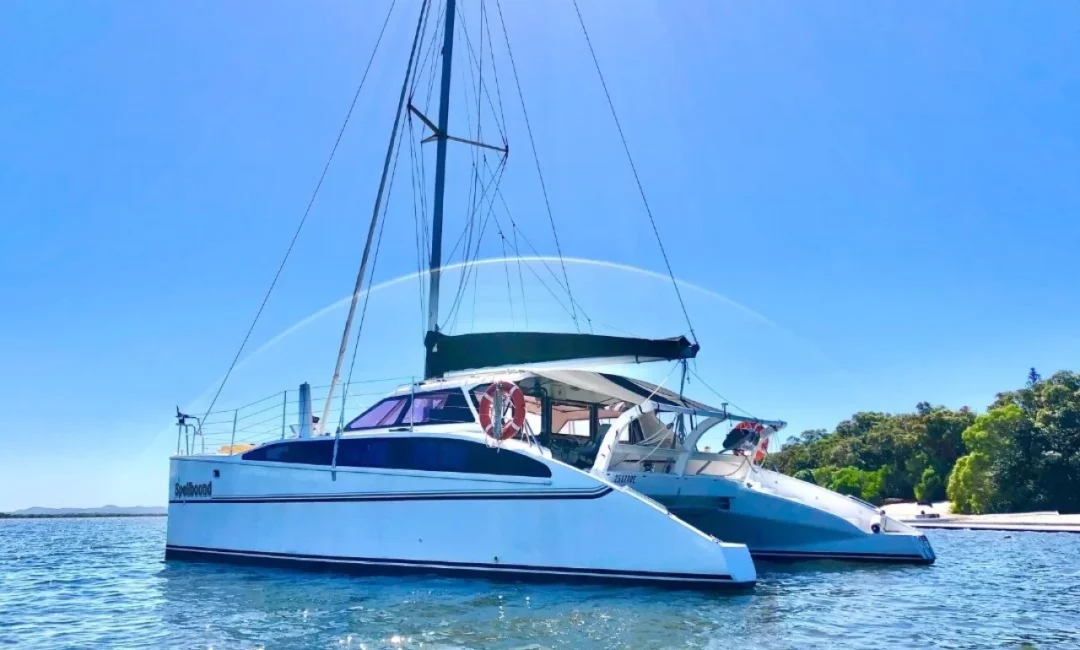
(86, 583)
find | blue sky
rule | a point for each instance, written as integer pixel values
(884, 197)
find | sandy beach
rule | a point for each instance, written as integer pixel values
(1020, 521)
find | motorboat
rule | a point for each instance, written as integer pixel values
(432, 479)
(724, 489)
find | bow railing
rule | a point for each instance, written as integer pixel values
(275, 417)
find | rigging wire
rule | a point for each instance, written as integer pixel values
(478, 61)
(469, 235)
(428, 58)
(425, 53)
(509, 293)
(725, 400)
(474, 152)
(494, 70)
(536, 158)
(467, 266)
(307, 212)
(367, 294)
(521, 284)
(633, 168)
(419, 221)
(515, 228)
(395, 133)
(539, 279)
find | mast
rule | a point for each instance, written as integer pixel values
(440, 169)
(497, 349)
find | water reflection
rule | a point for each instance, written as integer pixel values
(274, 607)
(103, 584)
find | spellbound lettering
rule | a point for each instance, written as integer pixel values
(191, 490)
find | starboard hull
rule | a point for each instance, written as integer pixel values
(789, 540)
(817, 525)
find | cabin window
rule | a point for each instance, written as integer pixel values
(371, 452)
(414, 454)
(437, 455)
(383, 414)
(303, 452)
(439, 407)
(435, 407)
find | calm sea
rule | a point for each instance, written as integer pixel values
(102, 583)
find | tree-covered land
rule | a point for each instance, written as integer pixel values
(1023, 454)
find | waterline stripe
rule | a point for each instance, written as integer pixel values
(415, 496)
(468, 566)
(824, 555)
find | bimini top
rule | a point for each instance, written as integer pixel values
(585, 386)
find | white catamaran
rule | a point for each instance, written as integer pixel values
(436, 477)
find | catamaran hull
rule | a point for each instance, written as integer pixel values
(368, 522)
(805, 537)
(811, 524)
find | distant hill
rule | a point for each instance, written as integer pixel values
(104, 511)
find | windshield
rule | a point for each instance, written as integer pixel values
(435, 407)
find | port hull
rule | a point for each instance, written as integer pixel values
(571, 528)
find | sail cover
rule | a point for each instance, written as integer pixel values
(496, 349)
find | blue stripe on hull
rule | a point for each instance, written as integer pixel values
(513, 572)
(793, 556)
(416, 496)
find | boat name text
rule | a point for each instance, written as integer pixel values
(193, 490)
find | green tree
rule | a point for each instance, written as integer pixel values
(930, 486)
(870, 488)
(847, 480)
(823, 475)
(972, 489)
(1043, 472)
(973, 485)
(1023, 454)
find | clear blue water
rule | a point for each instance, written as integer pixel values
(102, 583)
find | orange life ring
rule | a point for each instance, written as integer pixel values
(762, 449)
(515, 422)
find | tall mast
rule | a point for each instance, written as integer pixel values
(440, 168)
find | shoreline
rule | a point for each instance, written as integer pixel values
(923, 524)
(76, 515)
(1038, 522)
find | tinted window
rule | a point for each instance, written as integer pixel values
(445, 406)
(437, 455)
(384, 414)
(366, 452)
(436, 407)
(307, 452)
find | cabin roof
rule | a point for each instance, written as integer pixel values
(567, 384)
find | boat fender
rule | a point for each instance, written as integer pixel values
(875, 524)
(510, 426)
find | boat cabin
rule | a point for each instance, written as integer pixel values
(573, 413)
(587, 419)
